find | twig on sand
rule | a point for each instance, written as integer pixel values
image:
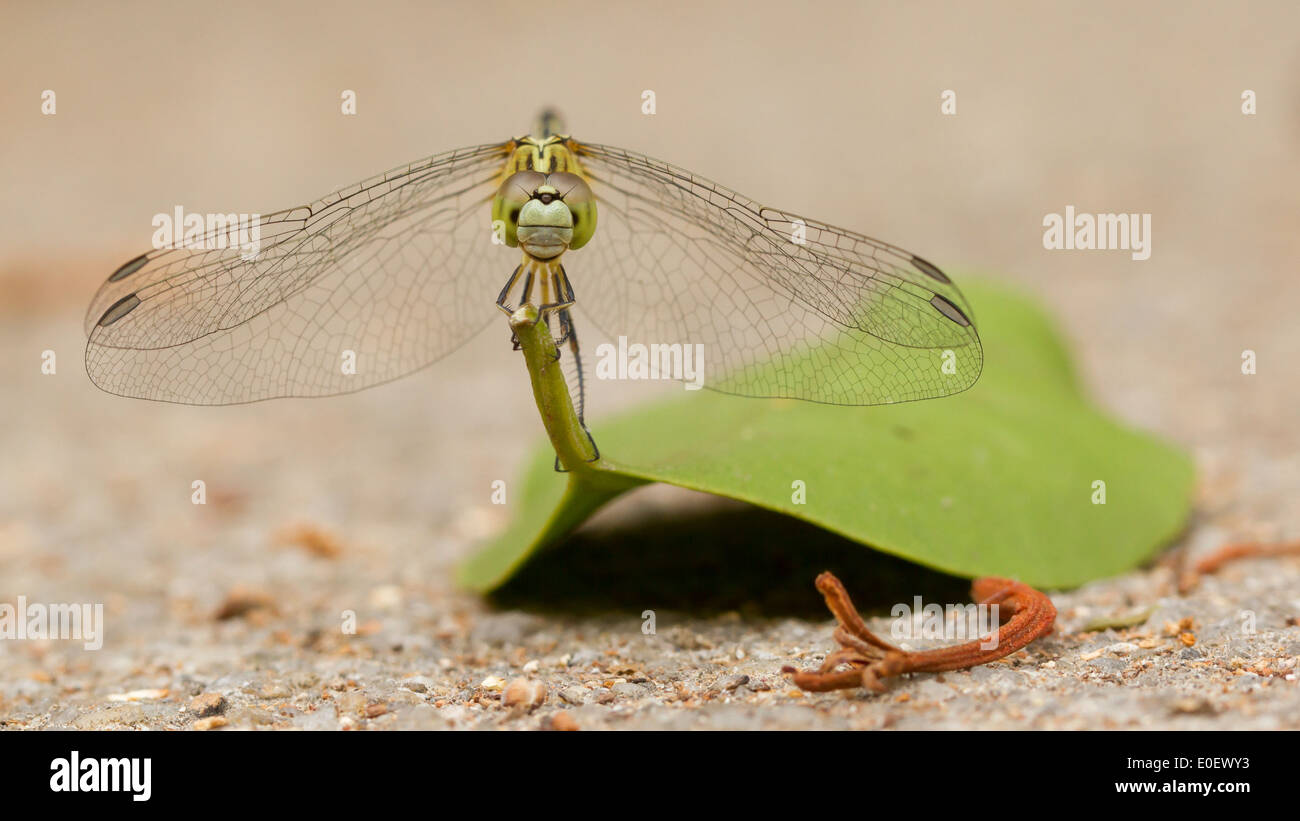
(1211, 562)
(1028, 615)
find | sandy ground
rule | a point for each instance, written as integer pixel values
(364, 503)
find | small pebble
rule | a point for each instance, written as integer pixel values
(564, 722)
(626, 690)
(208, 704)
(573, 695)
(493, 684)
(524, 693)
(210, 723)
(734, 681)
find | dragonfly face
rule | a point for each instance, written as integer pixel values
(397, 272)
(545, 224)
(545, 215)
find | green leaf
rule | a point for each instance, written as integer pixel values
(998, 480)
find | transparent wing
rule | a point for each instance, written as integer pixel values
(399, 270)
(784, 306)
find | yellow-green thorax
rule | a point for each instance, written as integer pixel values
(545, 154)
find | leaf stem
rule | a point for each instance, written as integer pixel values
(589, 482)
(573, 447)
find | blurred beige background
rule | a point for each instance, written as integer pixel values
(832, 110)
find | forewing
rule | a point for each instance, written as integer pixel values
(390, 274)
(784, 306)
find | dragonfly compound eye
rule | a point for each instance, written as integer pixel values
(510, 199)
(582, 204)
(545, 226)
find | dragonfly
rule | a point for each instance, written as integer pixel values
(400, 270)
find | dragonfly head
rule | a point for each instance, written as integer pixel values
(545, 214)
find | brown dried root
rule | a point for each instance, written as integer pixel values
(1027, 614)
(1229, 553)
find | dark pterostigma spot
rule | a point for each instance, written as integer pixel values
(931, 270)
(129, 268)
(119, 309)
(949, 310)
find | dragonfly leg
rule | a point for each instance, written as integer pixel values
(558, 305)
(505, 293)
(566, 322)
(565, 287)
(595, 448)
(564, 301)
(566, 329)
(570, 335)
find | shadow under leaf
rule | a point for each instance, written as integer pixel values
(726, 557)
